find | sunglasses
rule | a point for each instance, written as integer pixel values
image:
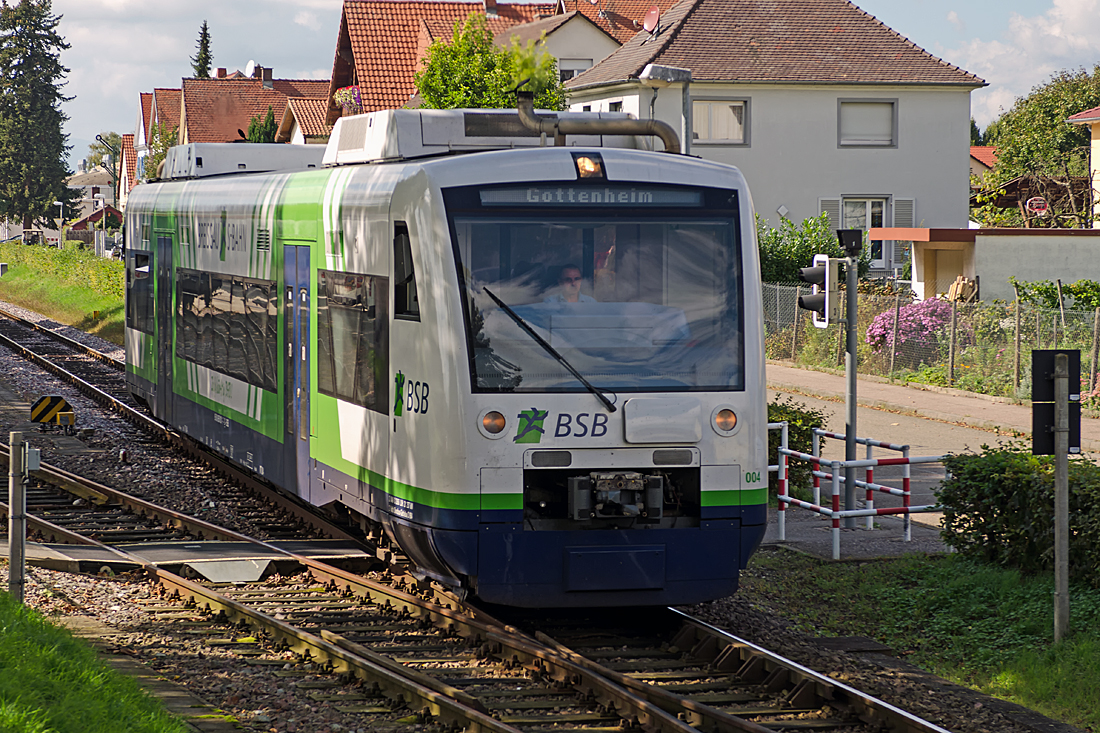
(571, 279)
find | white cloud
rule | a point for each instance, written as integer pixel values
(953, 19)
(309, 20)
(1067, 36)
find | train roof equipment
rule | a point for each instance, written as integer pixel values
(203, 160)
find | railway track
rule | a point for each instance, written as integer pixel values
(424, 651)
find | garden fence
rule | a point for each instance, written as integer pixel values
(980, 346)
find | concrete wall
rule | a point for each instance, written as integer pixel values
(1068, 257)
(791, 157)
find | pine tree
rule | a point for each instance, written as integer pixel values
(201, 61)
(33, 169)
(263, 131)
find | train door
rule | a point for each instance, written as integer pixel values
(296, 300)
(162, 314)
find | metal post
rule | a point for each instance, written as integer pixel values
(685, 117)
(894, 347)
(816, 466)
(1061, 496)
(782, 508)
(1016, 368)
(951, 347)
(850, 368)
(797, 310)
(869, 478)
(17, 519)
(835, 465)
(1093, 353)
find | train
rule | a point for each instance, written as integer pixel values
(532, 363)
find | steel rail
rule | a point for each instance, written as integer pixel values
(71, 343)
(296, 508)
(741, 652)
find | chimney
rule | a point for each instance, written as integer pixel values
(221, 72)
(490, 8)
(268, 84)
(257, 72)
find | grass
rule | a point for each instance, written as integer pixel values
(984, 627)
(67, 287)
(53, 683)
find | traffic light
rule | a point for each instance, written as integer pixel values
(824, 301)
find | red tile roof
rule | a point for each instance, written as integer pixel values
(215, 109)
(310, 114)
(1089, 115)
(810, 41)
(620, 19)
(381, 43)
(129, 156)
(166, 108)
(984, 154)
(146, 114)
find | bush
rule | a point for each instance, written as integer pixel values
(999, 509)
(919, 327)
(70, 267)
(785, 250)
(801, 422)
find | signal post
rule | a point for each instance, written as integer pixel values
(824, 303)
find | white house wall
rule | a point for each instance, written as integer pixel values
(1066, 257)
(579, 39)
(791, 157)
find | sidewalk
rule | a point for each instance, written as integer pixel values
(934, 403)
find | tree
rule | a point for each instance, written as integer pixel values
(33, 147)
(976, 137)
(263, 131)
(161, 137)
(471, 71)
(785, 250)
(201, 61)
(98, 152)
(1034, 139)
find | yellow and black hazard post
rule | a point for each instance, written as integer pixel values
(54, 410)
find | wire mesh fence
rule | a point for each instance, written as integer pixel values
(980, 346)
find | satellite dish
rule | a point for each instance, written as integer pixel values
(593, 2)
(250, 68)
(652, 19)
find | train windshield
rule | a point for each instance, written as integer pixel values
(645, 299)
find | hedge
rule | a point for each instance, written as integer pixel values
(69, 266)
(999, 509)
(801, 422)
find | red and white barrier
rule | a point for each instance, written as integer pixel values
(834, 476)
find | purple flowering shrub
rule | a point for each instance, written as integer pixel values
(919, 327)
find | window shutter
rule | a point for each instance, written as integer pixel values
(832, 208)
(903, 217)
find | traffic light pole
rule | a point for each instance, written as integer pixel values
(852, 316)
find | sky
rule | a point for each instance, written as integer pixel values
(123, 47)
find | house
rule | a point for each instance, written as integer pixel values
(620, 19)
(90, 221)
(381, 43)
(573, 39)
(96, 186)
(303, 122)
(1091, 117)
(141, 131)
(128, 169)
(822, 106)
(982, 159)
(218, 110)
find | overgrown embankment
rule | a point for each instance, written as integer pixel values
(70, 286)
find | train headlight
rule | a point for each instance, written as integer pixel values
(724, 420)
(589, 165)
(491, 423)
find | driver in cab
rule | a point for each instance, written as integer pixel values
(569, 286)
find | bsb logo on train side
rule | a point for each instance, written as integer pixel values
(414, 399)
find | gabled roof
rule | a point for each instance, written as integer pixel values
(1086, 117)
(620, 19)
(381, 42)
(525, 32)
(129, 159)
(146, 114)
(309, 113)
(166, 108)
(984, 154)
(215, 109)
(777, 41)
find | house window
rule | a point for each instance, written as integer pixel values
(867, 123)
(860, 213)
(719, 121)
(614, 106)
(568, 68)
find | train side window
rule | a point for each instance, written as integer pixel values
(406, 305)
(353, 338)
(139, 301)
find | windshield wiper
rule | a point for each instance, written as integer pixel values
(551, 350)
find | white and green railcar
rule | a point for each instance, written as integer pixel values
(537, 369)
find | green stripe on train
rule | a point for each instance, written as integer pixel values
(734, 497)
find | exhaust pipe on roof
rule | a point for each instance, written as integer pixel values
(559, 128)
